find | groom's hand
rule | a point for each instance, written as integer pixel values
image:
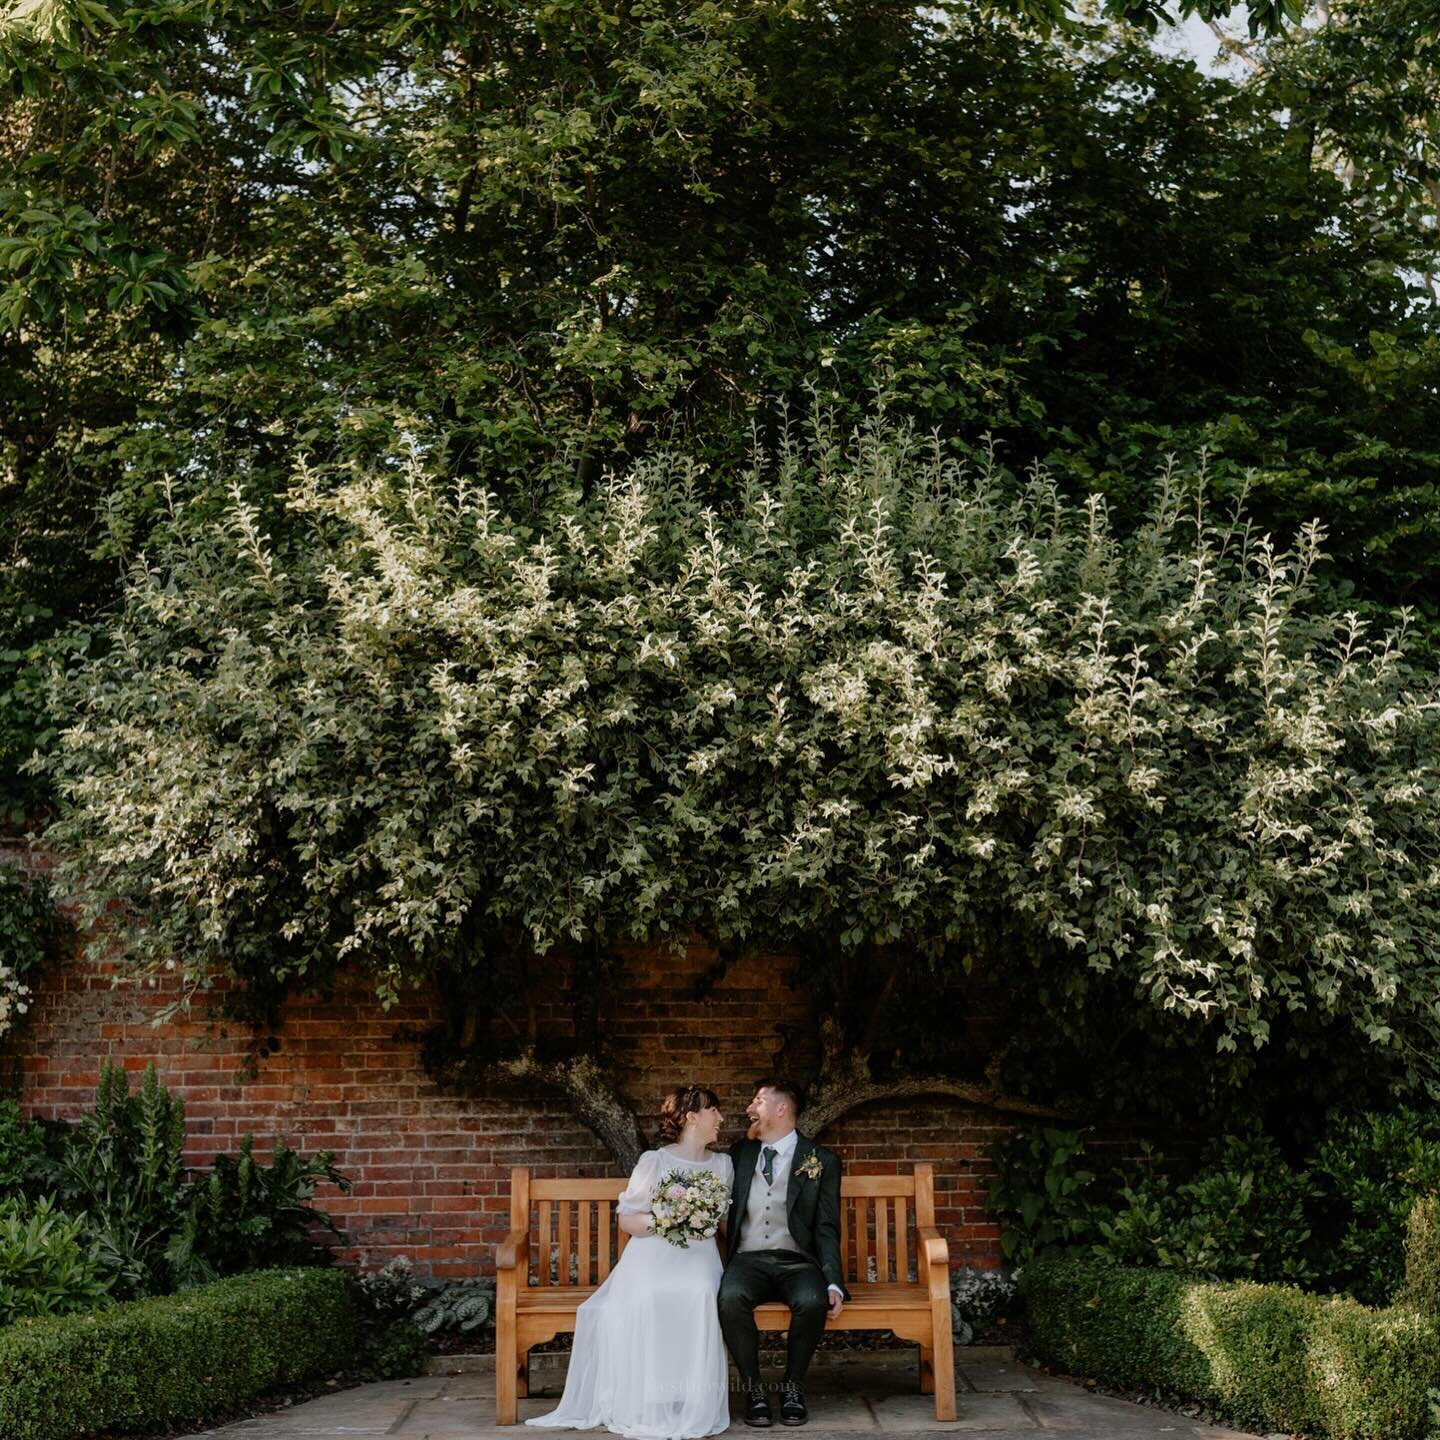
(837, 1304)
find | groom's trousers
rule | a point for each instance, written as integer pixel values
(751, 1278)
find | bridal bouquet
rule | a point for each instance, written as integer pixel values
(689, 1205)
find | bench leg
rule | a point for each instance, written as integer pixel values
(522, 1375)
(943, 1371)
(927, 1370)
(507, 1369)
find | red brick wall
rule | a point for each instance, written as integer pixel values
(430, 1167)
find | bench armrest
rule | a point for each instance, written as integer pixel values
(934, 1246)
(514, 1251)
(935, 1249)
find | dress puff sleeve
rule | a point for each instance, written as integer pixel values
(638, 1195)
(727, 1171)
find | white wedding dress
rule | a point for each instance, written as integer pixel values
(648, 1360)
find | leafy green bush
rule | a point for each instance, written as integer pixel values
(1241, 1215)
(401, 1312)
(46, 1267)
(247, 1216)
(1043, 1192)
(1240, 1212)
(23, 1155)
(1243, 1210)
(457, 1308)
(1371, 1169)
(392, 1345)
(174, 1361)
(392, 1352)
(124, 1171)
(1268, 1357)
(158, 1228)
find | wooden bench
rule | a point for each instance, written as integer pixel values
(563, 1241)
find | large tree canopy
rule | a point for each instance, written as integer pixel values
(881, 701)
(550, 236)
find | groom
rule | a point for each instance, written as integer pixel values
(784, 1244)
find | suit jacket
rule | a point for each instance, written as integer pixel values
(812, 1207)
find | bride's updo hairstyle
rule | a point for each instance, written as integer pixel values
(683, 1100)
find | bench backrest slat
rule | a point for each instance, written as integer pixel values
(857, 1263)
(578, 1240)
(567, 1214)
(546, 1236)
(902, 1237)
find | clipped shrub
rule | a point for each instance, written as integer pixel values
(1269, 1357)
(46, 1268)
(171, 1361)
(1421, 1290)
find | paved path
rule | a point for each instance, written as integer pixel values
(850, 1393)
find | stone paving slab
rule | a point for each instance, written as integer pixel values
(849, 1395)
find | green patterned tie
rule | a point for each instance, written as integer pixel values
(768, 1168)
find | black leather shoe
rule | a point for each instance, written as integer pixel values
(757, 1409)
(792, 1404)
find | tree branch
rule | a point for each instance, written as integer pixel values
(846, 1083)
(830, 1105)
(1236, 47)
(581, 1080)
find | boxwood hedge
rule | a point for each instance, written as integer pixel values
(1268, 1357)
(162, 1363)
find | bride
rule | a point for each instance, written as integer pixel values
(648, 1360)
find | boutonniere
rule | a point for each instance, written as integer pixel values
(810, 1166)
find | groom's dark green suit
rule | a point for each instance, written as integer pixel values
(798, 1277)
